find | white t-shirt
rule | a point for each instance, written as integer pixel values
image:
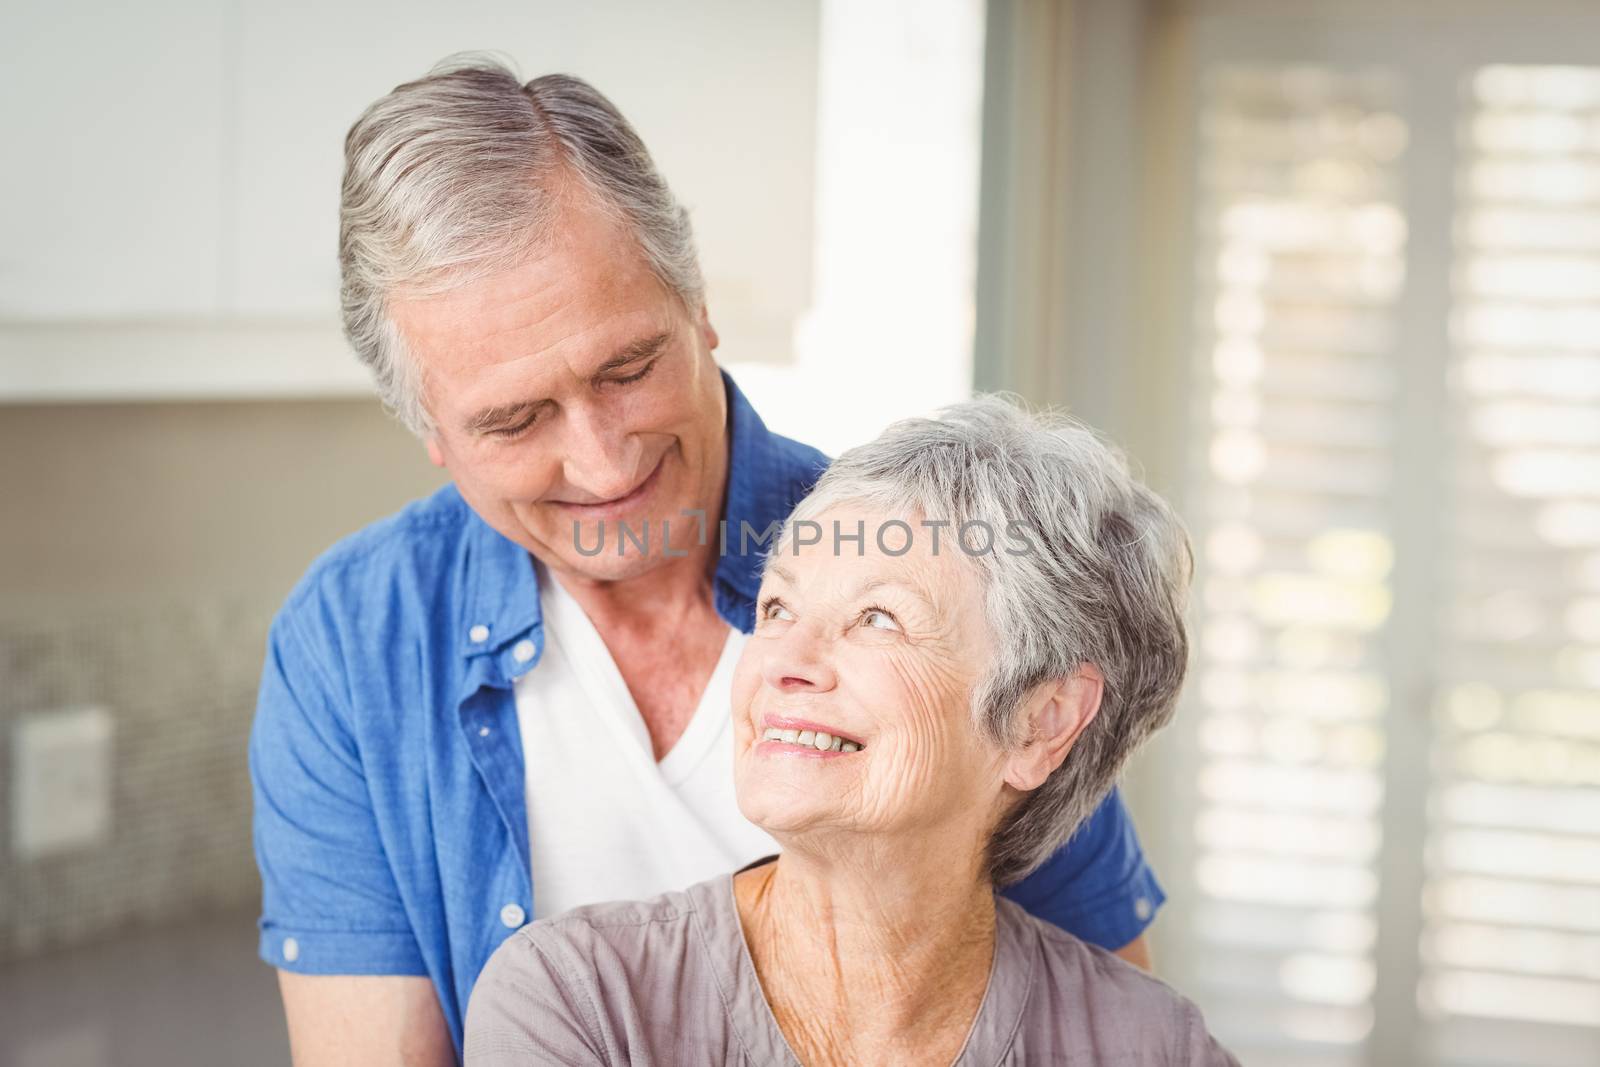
(605, 820)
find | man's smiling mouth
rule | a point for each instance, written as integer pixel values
(632, 496)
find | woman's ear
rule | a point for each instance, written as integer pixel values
(1053, 716)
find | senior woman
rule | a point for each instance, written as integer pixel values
(924, 714)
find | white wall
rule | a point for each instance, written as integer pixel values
(168, 206)
(889, 332)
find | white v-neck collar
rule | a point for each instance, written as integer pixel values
(710, 718)
(591, 663)
(597, 672)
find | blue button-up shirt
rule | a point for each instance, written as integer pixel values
(391, 823)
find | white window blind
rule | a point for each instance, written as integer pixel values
(1511, 939)
(1302, 263)
(1308, 272)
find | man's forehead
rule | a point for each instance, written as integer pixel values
(583, 267)
(487, 344)
(541, 297)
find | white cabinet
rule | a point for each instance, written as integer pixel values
(169, 203)
(112, 197)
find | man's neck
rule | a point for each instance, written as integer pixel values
(871, 961)
(660, 597)
(661, 625)
(663, 632)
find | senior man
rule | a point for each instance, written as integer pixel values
(512, 697)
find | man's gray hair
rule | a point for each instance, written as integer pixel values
(455, 175)
(1097, 573)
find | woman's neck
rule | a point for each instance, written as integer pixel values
(870, 963)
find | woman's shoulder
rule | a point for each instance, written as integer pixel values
(1068, 958)
(597, 984)
(1111, 1004)
(622, 929)
(588, 950)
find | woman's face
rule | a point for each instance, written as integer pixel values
(873, 650)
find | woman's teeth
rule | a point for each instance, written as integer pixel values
(822, 742)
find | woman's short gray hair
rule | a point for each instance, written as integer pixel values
(1097, 572)
(454, 175)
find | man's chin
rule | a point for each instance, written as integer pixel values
(606, 566)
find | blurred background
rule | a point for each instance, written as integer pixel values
(1330, 271)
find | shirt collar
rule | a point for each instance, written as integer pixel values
(758, 493)
(502, 593)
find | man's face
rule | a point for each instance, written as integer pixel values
(571, 391)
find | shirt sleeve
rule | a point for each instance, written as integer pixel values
(1193, 1043)
(329, 901)
(523, 1010)
(1098, 886)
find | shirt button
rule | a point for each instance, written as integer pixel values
(513, 916)
(1141, 908)
(523, 651)
(291, 949)
(483, 731)
(479, 633)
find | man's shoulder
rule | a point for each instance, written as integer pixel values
(778, 462)
(781, 465)
(799, 459)
(404, 549)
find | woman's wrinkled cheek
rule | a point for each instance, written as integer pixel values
(919, 769)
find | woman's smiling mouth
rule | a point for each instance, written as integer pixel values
(802, 738)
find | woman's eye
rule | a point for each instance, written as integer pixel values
(774, 609)
(879, 619)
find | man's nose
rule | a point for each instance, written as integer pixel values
(801, 661)
(598, 456)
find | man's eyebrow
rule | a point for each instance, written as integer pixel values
(633, 352)
(489, 418)
(781, 572)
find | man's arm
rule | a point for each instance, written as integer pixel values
(353, 979)
(355, 1020)
(1137, 952)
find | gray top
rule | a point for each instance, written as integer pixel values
(670, 981)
